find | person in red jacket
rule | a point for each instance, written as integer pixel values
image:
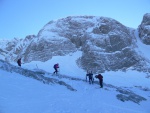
(19, 62)
(56, 66)
(100, 77)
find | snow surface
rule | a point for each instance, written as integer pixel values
(143, 48)
(20, 94)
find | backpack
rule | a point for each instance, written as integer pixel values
(90, 75)
(56, 66)
(100, 76)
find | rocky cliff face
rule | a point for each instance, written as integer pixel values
(144, 29)
(106, 44)
(13, 49)
(44, 49)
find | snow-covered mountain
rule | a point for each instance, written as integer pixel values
(77, 43)
(105, 43)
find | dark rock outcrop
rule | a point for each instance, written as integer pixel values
(144, 29)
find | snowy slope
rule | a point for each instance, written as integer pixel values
(21, 94)
(24, 95)
(67, 64)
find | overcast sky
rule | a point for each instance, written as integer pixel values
(19, 18)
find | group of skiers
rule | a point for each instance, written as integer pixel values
(91, 78)
(88, 75)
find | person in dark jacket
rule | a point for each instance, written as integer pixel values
(56, 66)
(19, 62)
(90, 75)
(100, 77)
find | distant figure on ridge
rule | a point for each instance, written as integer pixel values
(100, 77)
(19, 62)
(56, 66)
